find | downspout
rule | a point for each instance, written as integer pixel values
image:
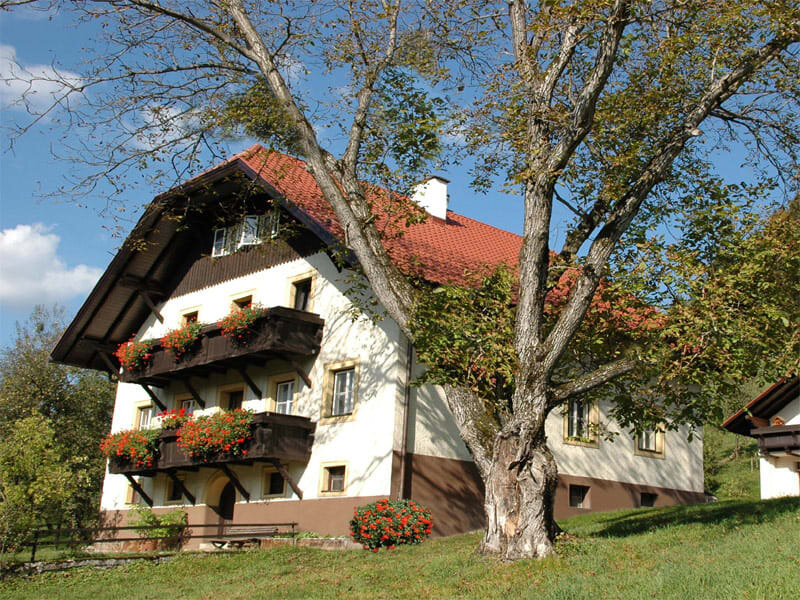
(401, 488)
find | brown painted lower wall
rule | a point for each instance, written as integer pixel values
(451, 489)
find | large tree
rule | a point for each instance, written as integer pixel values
(51, 420)
(611, 108)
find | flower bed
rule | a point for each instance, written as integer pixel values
(180, 341)
(134, 355)
(387, 523)
(208, 436)
(238, 324)
(173, 419)
(138, 447)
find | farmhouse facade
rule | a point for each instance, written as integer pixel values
(338, 420)
(773, 418)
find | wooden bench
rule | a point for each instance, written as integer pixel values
(237, 536)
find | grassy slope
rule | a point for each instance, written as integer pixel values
(726, 550)
(731, 465)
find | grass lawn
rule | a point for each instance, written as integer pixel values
(738, 549)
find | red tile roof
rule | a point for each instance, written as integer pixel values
(438, 250)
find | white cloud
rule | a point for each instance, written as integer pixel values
(165, 125)
(31, 87)
(31, 272)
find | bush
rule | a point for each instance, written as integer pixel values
(167, 525)
(387, 523)
(209, 435)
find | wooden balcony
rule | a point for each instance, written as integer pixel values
(276, 437)
(280, 333)
(778, 440)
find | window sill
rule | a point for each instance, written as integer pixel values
(573, 442)
(648, 454)
(334, 419)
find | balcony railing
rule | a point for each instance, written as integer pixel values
(781, 438)
(281, 332)
(286, 438)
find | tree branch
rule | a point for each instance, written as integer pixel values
(591, 380)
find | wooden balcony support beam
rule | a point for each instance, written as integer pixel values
(109, 362)
(156, 400)
(300, 371)
(194, 393)
(135, 485)
(150, 304)
(250, 383)
(177, 482)
(287, 477)
(235, 481)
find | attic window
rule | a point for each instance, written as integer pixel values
(220, 242)
(243, 302)
(250, 231)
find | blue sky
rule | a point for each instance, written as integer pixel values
(53, 249)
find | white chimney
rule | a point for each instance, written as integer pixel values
(431, 194)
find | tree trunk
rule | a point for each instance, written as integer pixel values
(519, 499)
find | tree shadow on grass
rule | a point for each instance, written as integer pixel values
(730, 514)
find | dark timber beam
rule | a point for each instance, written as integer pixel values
(153, 397)
(142, 284)
(176, 481)
(194, 393)
(149, 301)
(106, 358)
(300, 371)
(100, 345)
(235, 481)
(286, 477)
(250, 383)
(135, 485)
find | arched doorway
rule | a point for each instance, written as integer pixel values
(227, 501)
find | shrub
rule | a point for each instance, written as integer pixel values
(173, 419)
(209, 435)
(167, 525)
(138, 447)
(179, 341)
(237, 325)
(387, 523)
(134, 355)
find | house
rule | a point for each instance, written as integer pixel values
(338, 422)
(773, 418)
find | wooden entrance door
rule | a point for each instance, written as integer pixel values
(227, 502)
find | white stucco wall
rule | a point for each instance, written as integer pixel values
(435, 434)
(363, 444)
(791, 412)
(779, 477)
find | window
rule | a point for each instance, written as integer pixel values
(220, 242)
(249, 235)
(648, 499)
(343, 392)
(579, 496)
(284, 396)
(189, 405)
(131, 495)
(144, 414)
(302, 293)
(174, 493)
(232, 399)
(334, 479)
(340, 392)
(243, 302)
(274, 485)
(646, 440)
(190, 317)
(650, 443)
(580, 422)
